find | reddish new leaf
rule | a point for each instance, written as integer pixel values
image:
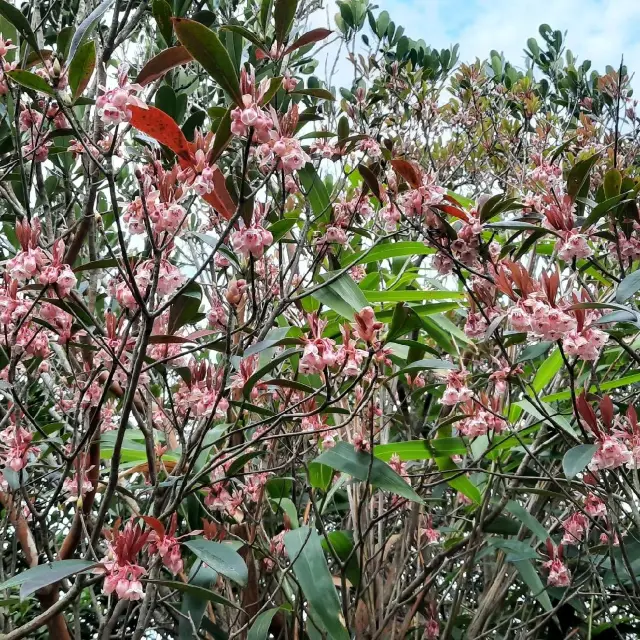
(219, 198)
(408, 171)
(163, 62)
(453, 211)
(315, 35)
(587, 413)
(606, 410)
(155, 524)
(161, 127)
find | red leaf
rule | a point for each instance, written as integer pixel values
(219, 198)
(261, 55)
(606, 410)
(315, 35)
(408, 171)
(161, 127)
(200, 334)
(163, 62)
(453, 211)
(155, 524)
(587, 413)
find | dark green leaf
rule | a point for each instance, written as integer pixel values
(342, 296)
(82, 67)
(320, 476)
(577, 458)
(531, 578)
(86, 27)
(205, 46)
(260, 628)
(43, 575)
(579, 176)
(31, 81)
(18, 20)
(221, 557)
(162, 13)
(312, 573)
(284, 12)
(185, 307)
(342, 544)
(362, 466)
(315, 92)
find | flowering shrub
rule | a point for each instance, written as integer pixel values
(280, 360)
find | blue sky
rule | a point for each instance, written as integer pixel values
(598, 30)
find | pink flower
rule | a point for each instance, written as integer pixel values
(559, 574)
(366, 326)
(114, 106)
(585, 344)
(575, 526)
(611, 453)
(251, 240)
(594, 506)
(573, 245)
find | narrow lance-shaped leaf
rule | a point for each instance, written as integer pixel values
(312, 573)
(205, 46)
(87, 26)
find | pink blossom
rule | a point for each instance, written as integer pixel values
(559, 574)
(366, 326)
(594, 506)
(573, 245)
(575, 526)
(113, 106)
(611, 453)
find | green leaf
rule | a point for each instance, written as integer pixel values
(162, 14)
(612, 183)
(284, 12)
(603, 208)
(629, 285)
(280, 228)
(404, 295)
(245, 33)
(221, 557)
(320, 476)
(423, 365)
(577, 458)
(531, 578)
(533, 351)
(421, 449)
(18, 20)
(272, 364)
(342, 296)
(193, 605)
(579, 176)
(403, 321)
(459, 481)
(31, 81)
(260, 628)
(392, 250)
(81, 68)
(604, 386)
(205, 46)
(184, 308)
(43, 575)
(527, 520)
(196, 592)
(312, 573)
(362, 466)
(315, 92)
(223, 136)
(315, 191)
(265, 13)
(342, 544)
(86, 27)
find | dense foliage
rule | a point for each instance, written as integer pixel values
(281, 360)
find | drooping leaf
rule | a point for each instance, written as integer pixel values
(315, 35)
(166, 60)
(221, 557)
(184, 307)
(193, 605)
(205, 46)
(162, 13)
(284, 11)
(628, 287)
(421, 449)
(342, 295)
(342, 544)
(457, 479)
(370, 180)
(312, 573)
(531, 578)
(344, 458)
(316, 192)
(404, 320)
(81, 68)
(577, 458)
(260, 628)
(408, 171)
(245, 33)
(579, 175)
(315, 92)
(86, 27)
(161, 127)
(43, 575)
(528, 520)
(31, 81)
(18, 20)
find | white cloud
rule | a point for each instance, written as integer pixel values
(597, 30)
